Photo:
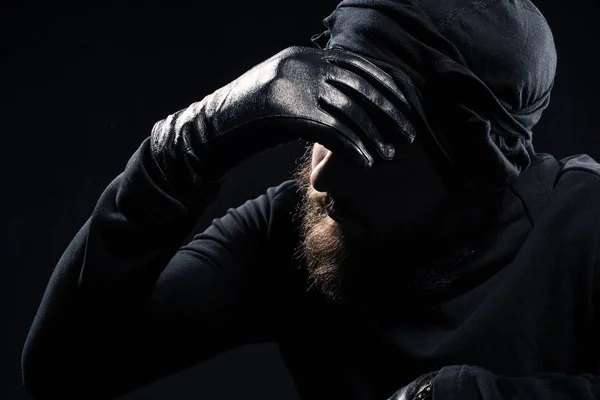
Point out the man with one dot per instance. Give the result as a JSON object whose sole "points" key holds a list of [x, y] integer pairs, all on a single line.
{"points": [[423, 248]]}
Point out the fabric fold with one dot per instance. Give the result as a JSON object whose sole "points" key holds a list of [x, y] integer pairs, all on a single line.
{"points": [[476, 97]]}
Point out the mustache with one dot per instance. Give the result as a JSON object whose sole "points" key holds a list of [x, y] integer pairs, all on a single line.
{"points": [[323, 203], [320, 200]]}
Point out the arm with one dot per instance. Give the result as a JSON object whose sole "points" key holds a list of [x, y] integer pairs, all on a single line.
{"points": [[126, 306]]}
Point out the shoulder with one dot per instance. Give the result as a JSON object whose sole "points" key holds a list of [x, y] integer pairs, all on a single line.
{"points": [[565, 191], [577, 184], [575, 199], [581, 173], [578, 177], [581, 165]]}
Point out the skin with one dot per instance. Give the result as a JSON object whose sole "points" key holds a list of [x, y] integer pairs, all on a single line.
{"points": [[380, 207], [396, 216]]}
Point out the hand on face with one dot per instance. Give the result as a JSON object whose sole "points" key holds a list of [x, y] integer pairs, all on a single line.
{"points": [[404, 194], [352, 217]]}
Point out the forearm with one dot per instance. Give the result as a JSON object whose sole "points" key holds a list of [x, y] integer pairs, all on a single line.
{"points": [[105, 275], [135, 228]]}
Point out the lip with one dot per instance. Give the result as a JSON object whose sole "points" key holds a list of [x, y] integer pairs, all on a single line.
{"points": [[337, 212]]}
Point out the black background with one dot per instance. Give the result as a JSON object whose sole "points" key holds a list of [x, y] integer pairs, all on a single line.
{"points": [[81, 88]]}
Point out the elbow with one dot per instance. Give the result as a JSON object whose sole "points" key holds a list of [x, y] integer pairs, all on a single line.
{"points": [[43, 380], [39, 380], [47, 375], [65, 369], [34, 386], [33, 376]]}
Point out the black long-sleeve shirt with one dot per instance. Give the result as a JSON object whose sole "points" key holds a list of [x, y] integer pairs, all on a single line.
{"points": [[127, 304]]}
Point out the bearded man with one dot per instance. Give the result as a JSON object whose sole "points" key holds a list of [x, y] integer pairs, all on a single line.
{"points": [[422, 248]]}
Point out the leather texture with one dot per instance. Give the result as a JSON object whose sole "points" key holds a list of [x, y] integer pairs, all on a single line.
{"points": [[333, 97], [409, 391]]}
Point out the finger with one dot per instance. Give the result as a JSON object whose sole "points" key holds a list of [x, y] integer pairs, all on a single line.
{"points": [[337, 137], [388, 117], [374, 98], [342, 107], [371, 72]]}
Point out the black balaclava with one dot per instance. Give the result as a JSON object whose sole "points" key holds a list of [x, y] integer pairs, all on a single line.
{"points": [[477, 73]]}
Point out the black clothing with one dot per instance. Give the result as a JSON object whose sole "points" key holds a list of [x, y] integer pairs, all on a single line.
{"points": [[478, 73], [126, 305]]}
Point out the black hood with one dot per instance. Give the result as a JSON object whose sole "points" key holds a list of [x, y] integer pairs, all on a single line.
{"points": [[477, 73]]}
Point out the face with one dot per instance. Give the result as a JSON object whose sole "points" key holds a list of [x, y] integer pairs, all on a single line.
{"points": [[355, 222], [375, 204]]}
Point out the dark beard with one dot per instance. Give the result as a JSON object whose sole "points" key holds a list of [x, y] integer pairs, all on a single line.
{"points": [[349, 271]]}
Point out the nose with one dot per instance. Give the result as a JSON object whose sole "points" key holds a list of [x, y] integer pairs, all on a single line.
{"points": [[330, 172]]}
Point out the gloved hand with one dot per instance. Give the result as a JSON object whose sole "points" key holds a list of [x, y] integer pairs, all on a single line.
{"points": [[420, 386], [330, 96]]}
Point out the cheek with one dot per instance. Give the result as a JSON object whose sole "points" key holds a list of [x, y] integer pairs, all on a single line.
{"points": [[409, 200]]}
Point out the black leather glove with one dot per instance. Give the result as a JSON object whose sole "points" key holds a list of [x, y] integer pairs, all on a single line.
{"points": [[332, 97], [419, 389]]}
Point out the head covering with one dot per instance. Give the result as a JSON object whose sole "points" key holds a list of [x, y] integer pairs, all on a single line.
{"points": [[477, 73]]}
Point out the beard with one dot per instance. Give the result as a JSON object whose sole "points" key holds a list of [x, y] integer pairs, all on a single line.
{"points": [[351, 268]]}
